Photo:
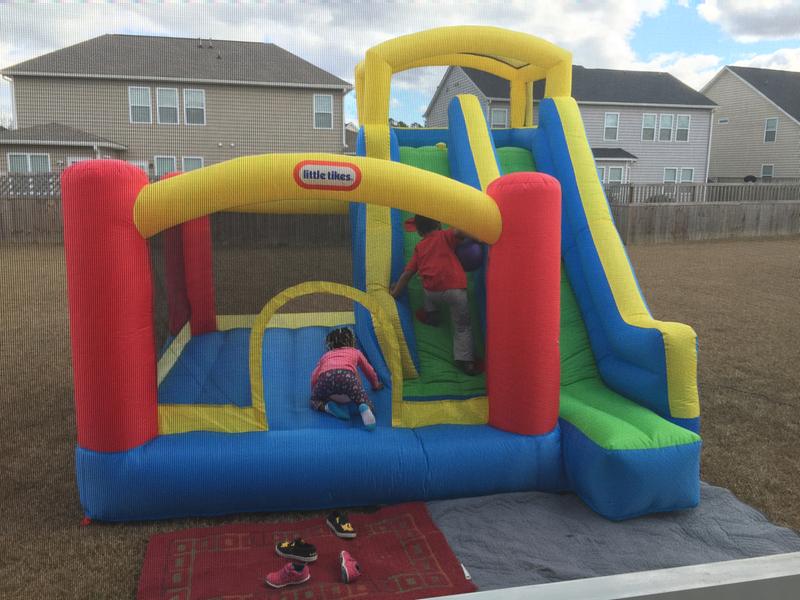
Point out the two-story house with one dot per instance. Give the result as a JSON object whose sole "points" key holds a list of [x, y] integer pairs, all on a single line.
{"points": [[757, 124], [168, 104], [643, 127]]}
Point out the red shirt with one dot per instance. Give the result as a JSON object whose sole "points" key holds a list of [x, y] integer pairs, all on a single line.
{"points": [[436, 263]]}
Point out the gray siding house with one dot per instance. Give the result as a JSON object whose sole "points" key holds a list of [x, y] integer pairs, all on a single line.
{"points": [[643, 127], [757, 124], [168, 104]]}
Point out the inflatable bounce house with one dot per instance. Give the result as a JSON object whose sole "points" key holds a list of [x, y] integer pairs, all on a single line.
{"points": [[583, 390]]}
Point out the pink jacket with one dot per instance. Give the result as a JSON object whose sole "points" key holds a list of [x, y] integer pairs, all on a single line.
{"points": [[344, 358]]}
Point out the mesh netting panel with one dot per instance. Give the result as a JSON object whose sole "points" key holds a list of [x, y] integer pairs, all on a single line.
{"points": [[257, 256]]}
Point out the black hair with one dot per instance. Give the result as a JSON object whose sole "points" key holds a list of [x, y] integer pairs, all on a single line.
{"points": [[425, 224], [341, 337]]}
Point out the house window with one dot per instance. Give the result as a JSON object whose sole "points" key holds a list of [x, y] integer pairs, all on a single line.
{"points": [[682, 128], [615, 174], [164, 165], [167, 101], [767, 172], [687, 175], [601, 173], [611, 126], [139, 104], [499, 118], [665, 128], [648, 127], [194, 107], [323, 111], [71, 160], [28, 163], [770, 129], [670, 175], [190, 163]]}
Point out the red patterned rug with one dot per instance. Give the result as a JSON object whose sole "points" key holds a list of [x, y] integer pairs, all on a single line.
{"points": [[403, 555]]}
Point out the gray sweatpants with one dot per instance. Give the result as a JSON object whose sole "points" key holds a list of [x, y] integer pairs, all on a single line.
{"points": [[458, 302]]}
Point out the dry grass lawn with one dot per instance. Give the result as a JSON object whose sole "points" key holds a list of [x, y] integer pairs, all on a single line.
{"points": [[740, 296]]}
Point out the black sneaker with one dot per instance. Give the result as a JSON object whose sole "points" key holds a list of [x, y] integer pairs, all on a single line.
{"points": [[341, 525], [297, 549]]}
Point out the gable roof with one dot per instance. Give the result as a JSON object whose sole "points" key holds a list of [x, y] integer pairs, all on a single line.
{"points": [[780, 87], [50, 134], [606, 85], [117, 56]]}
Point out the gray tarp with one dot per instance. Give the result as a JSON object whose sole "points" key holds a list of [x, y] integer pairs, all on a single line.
{"points": [[526, 538]]}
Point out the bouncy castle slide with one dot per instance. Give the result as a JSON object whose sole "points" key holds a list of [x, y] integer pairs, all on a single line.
{"points": [[583, 391]]}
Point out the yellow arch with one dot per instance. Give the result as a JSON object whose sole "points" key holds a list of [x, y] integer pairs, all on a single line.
{"points": [[518, 57], [266, 183], [383, 330]]}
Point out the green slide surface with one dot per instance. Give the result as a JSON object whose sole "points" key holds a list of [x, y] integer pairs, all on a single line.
{"points": [[438, 375], [608, 419]]}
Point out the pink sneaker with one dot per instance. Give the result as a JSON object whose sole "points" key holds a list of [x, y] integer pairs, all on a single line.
{"points": [[288, 575], [351, 570]]}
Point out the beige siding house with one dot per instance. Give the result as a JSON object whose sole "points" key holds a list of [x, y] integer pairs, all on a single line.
{"points": [[169, 104], [757, 124], [643, 127]]}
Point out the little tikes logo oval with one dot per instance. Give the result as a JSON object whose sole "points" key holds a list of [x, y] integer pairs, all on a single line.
{"points": [[327, 175]]}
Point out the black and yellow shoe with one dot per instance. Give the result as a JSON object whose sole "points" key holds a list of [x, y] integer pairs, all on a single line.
{"points": [[341, 525], [297, 549]]}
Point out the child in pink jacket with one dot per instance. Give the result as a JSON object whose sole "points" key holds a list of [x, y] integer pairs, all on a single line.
{"points": [[335, 381]]}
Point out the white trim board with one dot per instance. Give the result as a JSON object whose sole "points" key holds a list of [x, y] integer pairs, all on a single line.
{"points": [[763, 577]]}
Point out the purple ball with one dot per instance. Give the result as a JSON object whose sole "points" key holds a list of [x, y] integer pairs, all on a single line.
{"points": [[470, 255]]}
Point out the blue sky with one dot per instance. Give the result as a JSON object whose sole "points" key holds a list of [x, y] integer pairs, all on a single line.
{"points": [[692, 39]]}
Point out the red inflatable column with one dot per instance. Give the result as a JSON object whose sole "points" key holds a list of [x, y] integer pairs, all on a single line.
{"points": [[110, 293], [523, 282], [198, 269]]}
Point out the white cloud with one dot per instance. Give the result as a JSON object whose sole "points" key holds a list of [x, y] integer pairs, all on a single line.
{"points": [[786, 59], [695, 70], [754, 20]]}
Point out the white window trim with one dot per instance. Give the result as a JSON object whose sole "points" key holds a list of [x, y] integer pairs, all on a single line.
{"points": [[616, 137], [187, 107], [130, 105], [491, 118], [314, 111], [677, 174], [671, 128], [766, 121], [772, 175], [155, 164], [177, 107], [688, 128], [655, 127], [621, 179], [680, 175], [27, 156], [602, 174], [183, 161]]}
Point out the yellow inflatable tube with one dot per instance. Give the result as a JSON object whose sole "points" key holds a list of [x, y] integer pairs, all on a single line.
{"points": [[312, 183]]}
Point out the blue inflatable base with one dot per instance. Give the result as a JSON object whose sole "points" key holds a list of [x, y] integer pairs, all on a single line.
{"points": [[209, 474]]}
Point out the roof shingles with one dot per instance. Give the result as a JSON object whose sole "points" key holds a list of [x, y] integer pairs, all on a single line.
{"points": [[781, 87], [606, 85], [55, 132], [149, 57]]}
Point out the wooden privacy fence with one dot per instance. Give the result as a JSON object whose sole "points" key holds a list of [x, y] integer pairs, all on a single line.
{"points": [[30, 212]]}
